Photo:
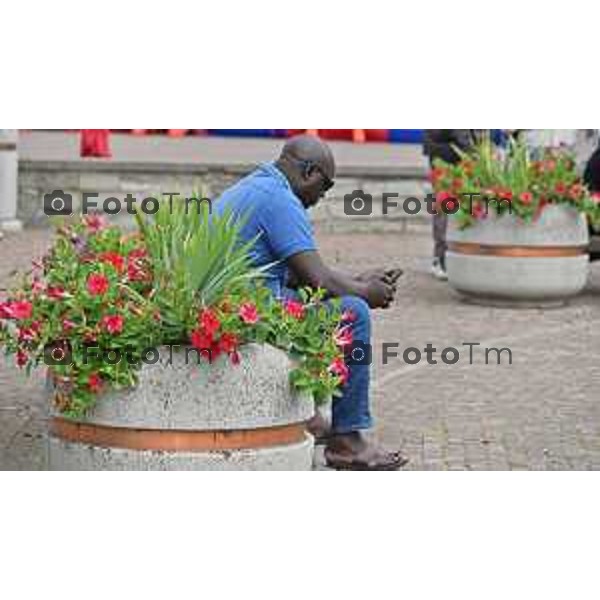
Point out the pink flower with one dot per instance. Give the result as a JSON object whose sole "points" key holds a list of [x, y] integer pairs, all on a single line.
{"points": [[248, 313], [596, 197], [294, 309], [338, 367], [37, 287], [478, 211], [27, 334], [94, 223], [20, 311], [97, 285], [68, 325], [209, 322], [56, 293], [349, 316], [443, 196], [343, 337], [235, 358], [113, 324]]}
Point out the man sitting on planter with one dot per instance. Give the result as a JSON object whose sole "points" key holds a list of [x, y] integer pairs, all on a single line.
{"points": [[275, 199]]}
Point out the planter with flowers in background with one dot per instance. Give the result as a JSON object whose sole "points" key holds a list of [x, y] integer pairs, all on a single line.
{"points": [[165, 352], [518, 228]]}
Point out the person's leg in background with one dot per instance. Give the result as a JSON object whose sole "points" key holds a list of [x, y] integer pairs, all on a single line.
{"points": [[440, 246]]}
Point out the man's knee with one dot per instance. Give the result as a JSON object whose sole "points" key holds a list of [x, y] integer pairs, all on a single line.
{"points": [[359, 307]]}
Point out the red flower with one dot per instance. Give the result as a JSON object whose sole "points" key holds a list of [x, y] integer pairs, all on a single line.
{"points": [[228, 343], [200, 340], [457, 185], [114, 259], [526, 197], [478, 211], [97, 285], [338, 367], [248, 313], [437, 174], [349, 316], [94, 223], [56, 293], [443, 196], [22, 358], [113, 324], [343, 337], [19, 311], [209, 322], [27, 334], [95, 383], [137, 254], [576, 191], [294, 309], [135, 272], [561, 189], [596, 197], [235, 358], [505, 195]]}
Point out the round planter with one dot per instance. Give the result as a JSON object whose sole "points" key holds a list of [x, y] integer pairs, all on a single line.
{"points": [[504, 261], [185, 416]]}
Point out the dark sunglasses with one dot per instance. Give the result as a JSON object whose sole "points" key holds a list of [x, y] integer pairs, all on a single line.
{"points": [[309, 166]]}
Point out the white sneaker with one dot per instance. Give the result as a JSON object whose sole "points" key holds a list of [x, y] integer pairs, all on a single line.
{"points": [[438, 271]]}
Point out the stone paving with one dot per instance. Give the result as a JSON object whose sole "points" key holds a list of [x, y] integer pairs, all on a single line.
{"points": [[540, 413]]}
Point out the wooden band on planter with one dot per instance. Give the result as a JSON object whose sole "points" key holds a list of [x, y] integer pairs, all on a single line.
{"points": [[175, 440], [517, 251], [8, 146]]}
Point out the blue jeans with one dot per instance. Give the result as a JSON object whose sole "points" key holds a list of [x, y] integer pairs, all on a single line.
{"points": [[351, 411]]}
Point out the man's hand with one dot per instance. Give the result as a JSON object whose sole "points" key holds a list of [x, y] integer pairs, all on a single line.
{"points": [[380, 294], [372, 274]]}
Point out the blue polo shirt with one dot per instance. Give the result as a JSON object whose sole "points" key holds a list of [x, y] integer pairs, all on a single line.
{"points": [[274, 213]]}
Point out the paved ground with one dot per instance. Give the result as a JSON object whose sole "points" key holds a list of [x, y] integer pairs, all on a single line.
{"points": [[540, 413]]}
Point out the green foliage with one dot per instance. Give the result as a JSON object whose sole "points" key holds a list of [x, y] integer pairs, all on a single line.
{"points": [[488, 180], [182, 278]]}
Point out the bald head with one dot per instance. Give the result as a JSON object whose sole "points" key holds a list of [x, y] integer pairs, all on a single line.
{"points": [[312, 149]]}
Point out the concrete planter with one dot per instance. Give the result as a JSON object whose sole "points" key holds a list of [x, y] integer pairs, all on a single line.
{"points": [[506, 262], [184, 416]]}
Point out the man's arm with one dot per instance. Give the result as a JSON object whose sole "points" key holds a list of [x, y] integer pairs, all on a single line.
{"points": [[309, 269]]}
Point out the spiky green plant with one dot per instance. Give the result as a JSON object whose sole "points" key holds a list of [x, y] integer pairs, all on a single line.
{"points": [[196, 256]]}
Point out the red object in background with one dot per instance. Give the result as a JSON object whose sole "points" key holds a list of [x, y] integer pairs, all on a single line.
{"points": [[95, 143], [378, 135]]}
